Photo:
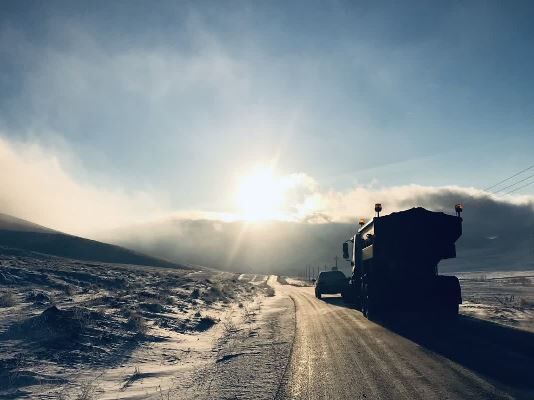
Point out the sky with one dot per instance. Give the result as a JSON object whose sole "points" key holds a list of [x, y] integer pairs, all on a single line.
{"points": [[132, 108]]}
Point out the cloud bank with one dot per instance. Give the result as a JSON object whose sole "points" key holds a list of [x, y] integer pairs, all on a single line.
{"points": [[498, 233], [36, 185]]}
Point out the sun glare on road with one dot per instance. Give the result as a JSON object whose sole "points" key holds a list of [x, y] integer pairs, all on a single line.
{"points": [[260, 195]]}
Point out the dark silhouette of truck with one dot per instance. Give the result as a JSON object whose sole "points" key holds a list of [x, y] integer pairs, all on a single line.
{"points": [[395, 263]]}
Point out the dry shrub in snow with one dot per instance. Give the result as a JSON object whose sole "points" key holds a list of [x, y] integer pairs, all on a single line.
{"points": [[85, 390], [38, 297], [229, 327], [248, 315], [69, 290], [215, 293], [167, 299], [136, 375], [137, 324], [519, 280], [168, 394], [525, 303], [7, 299], [205, 323]]}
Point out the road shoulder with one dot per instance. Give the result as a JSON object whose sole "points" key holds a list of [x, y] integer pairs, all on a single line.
{"points": [[252, 354]]}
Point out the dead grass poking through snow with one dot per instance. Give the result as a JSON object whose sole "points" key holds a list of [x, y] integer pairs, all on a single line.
{"points": [[8, 299], [135, 376], [525, 303], [75, 318], [168, 394], [86, 390], [138, 324], [230, 328]]}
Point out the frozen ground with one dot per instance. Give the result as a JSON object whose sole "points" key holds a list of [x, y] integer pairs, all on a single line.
{"points": [[85, 330], [502, 297], [74, 330]]}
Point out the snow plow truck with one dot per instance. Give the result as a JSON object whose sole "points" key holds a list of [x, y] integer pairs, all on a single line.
{"points": [[395, 263]]}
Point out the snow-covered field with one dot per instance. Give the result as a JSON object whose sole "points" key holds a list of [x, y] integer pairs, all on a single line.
{"points": [[84, 330], [502, 297], [75, 330]]}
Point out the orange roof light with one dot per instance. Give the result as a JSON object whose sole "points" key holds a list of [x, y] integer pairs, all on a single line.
{"points": [[378, 208]]}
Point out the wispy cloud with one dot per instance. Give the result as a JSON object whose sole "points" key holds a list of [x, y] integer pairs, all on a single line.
{"points": [[36, 185], [307, 200]]}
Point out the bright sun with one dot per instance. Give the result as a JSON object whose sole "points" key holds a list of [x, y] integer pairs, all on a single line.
{"points": [[260, 195]]}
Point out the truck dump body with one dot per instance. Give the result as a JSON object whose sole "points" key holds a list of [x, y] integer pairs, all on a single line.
{"points": [[411, 241], [395, 259]]}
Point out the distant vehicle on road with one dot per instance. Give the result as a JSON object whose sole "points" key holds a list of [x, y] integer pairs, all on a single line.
{"points": [[395, 262], [330, 282]]}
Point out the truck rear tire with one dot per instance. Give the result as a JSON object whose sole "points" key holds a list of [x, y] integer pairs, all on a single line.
{"points": [[318, 294]]}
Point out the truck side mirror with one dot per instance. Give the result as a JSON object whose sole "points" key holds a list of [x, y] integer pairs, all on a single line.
{"points": [[346, 251]]}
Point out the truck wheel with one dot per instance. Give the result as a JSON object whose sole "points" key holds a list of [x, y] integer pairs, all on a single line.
{"points": [[318, 294]]}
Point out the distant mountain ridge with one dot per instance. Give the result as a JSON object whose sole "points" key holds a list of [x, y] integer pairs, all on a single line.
{"points": [[11, 223], [21, 234]]}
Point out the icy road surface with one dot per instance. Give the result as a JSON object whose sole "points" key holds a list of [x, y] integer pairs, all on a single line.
{"points": [[338, 354]]}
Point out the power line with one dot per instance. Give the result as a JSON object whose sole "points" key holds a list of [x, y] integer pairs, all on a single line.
{"points": [[520, 187], [507, 179], [513, 184]]}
